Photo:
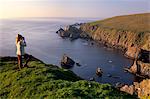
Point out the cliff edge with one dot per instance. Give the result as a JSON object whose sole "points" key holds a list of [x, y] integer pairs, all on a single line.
{"points": [[129, 32], [42, 80]]}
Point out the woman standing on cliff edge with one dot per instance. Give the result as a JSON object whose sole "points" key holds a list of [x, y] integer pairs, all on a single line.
{"points": [[20, 44]]}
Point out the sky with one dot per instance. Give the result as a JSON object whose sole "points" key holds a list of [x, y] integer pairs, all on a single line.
{"points": [[72, 8]]}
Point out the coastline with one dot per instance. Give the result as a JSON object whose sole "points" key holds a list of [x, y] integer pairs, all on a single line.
{"points": [[134, 45], [106, 37], [42, 63], [131, 51]]}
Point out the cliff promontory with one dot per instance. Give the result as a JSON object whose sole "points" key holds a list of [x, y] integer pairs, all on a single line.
{"points": [[129, 32]]}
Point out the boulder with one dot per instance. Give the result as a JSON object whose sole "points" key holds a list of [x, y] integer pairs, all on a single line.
{"points": [[78, 64], [99, 71], [67, 61]]}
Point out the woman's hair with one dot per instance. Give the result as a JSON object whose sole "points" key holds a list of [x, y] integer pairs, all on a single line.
{"points": [[18, 38]]}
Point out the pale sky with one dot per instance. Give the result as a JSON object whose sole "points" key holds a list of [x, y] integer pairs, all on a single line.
{"points": [[71, 8]]}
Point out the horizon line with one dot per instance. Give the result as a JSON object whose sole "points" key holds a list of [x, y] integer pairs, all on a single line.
{"points": [[38, 17], [46, 17]]}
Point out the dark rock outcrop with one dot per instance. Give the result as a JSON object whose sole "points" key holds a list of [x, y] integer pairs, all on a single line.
{"points": [[67, 62], [78, 64], [99, 71], [61, 32], [144, 56], [84, 35], [73, 32], [69, 31]]}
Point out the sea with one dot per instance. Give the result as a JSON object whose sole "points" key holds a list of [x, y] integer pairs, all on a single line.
{"points": [[44, 44]]}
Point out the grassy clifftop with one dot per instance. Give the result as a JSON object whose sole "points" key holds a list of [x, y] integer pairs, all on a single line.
{"points": [[123, 31], [135, 22], [47, 81]]}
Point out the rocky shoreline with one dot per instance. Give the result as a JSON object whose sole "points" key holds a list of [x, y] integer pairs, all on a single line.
{"points": [[141, 65], [141, 89], [85, 31], [72, 32]]}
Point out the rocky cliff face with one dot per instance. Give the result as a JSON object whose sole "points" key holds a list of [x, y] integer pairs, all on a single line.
{"points": [[141, 68], [142, 89], [129, 32], [136, 45], [122, 39]]}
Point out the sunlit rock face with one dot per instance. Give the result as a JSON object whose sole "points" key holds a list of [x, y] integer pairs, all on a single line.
{"points": [[141, 68], [141, 89]]}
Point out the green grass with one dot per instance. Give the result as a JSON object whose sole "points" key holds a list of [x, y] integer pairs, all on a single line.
{"points": [[48, 81], [135, 22]]}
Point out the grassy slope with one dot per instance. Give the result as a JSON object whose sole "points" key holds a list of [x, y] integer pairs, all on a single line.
{"points": [[135, 22], [134, 29], [42, 80]]}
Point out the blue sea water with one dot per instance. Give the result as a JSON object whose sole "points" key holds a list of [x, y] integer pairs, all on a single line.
{"points": [[45, 44]]}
